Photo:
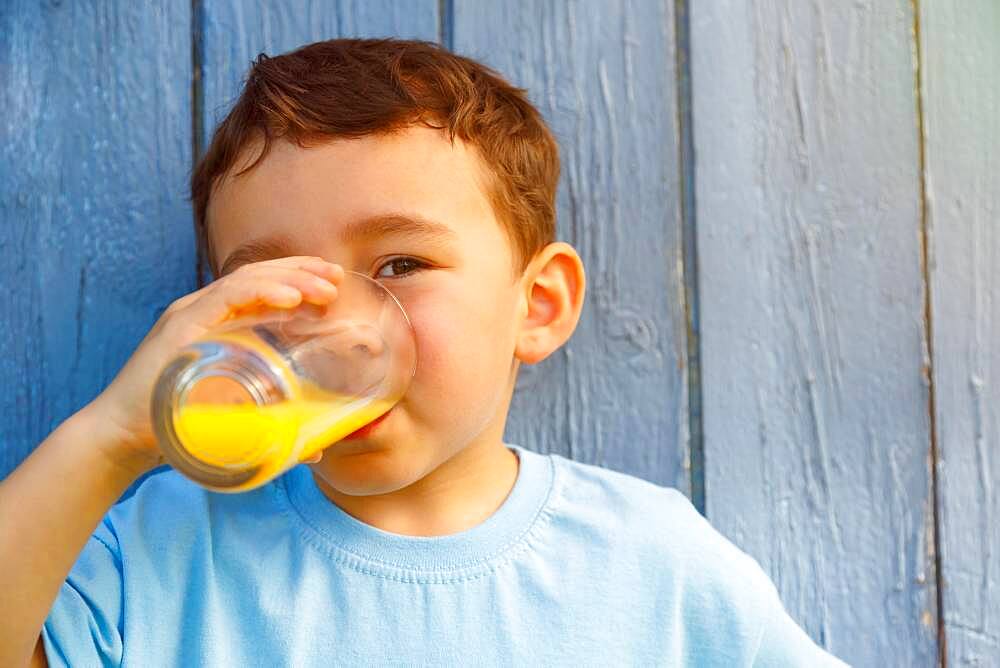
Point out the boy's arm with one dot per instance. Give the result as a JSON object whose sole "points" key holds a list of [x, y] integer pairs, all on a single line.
{"points": [[53, 502], [50, 506]]}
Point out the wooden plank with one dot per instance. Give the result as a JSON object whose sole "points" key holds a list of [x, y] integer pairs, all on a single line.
{"points": [[816, 420], [235, 31], [960, 55], [95, 231], [616, 395]]}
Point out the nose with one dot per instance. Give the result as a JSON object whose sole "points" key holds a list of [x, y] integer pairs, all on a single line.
{"points": [[359, 340]]}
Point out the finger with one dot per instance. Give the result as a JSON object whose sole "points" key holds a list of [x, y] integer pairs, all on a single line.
{"points": [[317, 265], [188, 299], [217, 305], [315, 289], [257, 290]]}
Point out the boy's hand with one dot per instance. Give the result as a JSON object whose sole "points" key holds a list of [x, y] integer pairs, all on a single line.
{"points": [[124, 406]]}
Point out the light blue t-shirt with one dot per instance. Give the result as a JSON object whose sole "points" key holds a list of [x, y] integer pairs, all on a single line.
{"points": [[580, 566]]}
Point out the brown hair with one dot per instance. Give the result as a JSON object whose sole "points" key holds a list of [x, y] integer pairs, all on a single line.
{"points": [[345, 88]]}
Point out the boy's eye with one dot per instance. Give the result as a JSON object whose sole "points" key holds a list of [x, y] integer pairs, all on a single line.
{"points": [[400, 266]]}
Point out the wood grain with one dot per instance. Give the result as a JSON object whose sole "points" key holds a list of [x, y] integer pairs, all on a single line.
{"points": [[616, 395], [960, 55], [95, 232], [816, 419], [820, 357]]}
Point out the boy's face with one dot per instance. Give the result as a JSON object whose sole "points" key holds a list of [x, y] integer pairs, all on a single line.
{"points": [[463, 304]]}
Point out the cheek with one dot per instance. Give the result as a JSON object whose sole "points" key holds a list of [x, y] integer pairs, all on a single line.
{"points": [[464, 351]]}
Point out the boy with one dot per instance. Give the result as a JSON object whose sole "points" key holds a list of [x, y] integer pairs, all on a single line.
{"points": [[423, 539]]}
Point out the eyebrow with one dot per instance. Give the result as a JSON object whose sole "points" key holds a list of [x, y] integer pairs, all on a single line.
{"points": [[360, 230], [257, 249]]}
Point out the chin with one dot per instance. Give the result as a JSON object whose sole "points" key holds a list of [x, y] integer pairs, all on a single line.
{"points": [[368, 473]]}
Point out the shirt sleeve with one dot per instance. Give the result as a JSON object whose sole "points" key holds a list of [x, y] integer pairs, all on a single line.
{"points": [[784, 643], [84, 625]]}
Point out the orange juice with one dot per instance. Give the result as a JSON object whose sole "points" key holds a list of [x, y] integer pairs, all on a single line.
{"points": [[247, 435]]}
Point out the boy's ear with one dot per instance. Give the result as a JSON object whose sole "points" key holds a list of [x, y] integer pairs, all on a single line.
{"points": [[552, 293]]}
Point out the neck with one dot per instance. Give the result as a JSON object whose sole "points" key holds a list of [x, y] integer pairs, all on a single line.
{"points": [[459, 494]]}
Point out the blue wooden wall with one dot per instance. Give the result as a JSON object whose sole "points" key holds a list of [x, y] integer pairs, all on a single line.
{"points": [[788, 212]]}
